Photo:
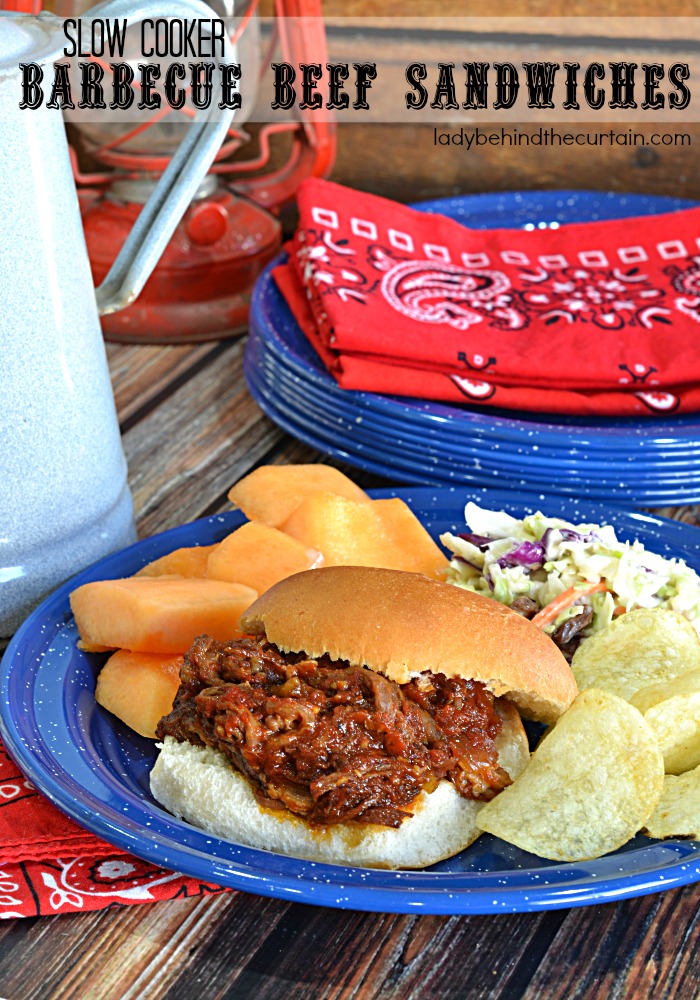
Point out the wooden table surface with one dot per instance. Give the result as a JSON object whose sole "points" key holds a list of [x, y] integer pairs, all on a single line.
{"points": [[190, 430]]}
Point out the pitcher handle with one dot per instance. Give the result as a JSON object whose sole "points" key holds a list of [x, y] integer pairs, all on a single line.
{"points": [[177, 187]]}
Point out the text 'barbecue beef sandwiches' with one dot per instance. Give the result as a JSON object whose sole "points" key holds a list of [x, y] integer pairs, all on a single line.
{"points": [[364, 719]]}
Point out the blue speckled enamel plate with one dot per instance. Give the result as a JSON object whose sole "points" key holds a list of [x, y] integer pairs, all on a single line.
{"points": [[426, 468], [649, 462], [274, 374], [96, 770], [320, 412]]}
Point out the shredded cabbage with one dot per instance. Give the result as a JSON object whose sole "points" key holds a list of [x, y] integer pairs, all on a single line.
{"points": [[540, 557]]}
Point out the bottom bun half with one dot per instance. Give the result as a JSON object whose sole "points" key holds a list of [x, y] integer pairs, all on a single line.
{"points": [[198, 784]]}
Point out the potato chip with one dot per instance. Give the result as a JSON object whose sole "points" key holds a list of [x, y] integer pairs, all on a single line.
{"points": [[591, 784], [672, 709], [654, 694], [678, 811], [639, 648]]}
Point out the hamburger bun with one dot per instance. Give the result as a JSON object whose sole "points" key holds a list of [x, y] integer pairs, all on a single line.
{"points": [[401, 624], [198, 784]]}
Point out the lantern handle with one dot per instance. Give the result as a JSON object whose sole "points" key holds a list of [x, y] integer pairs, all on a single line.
{"points": [[179, 183]]}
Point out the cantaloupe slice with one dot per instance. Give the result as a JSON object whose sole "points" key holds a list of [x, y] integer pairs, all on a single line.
{"points": [[382, 533], [139, 688], [93, 647], [189, 562], [347, 532], [259, 556], [412, 547], [158, 614], [272, 492]]}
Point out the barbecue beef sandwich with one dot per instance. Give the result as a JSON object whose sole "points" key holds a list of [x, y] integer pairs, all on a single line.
{"points": [[363, 720]]}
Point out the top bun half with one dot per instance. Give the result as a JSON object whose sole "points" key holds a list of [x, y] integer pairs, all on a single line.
{"points": [[402, 624]]}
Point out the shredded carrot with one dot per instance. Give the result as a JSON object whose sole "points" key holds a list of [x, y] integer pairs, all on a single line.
{"points": [[552, 610], [619, 610]]}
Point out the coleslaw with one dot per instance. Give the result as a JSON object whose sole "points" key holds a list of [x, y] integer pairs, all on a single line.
{"points": [[541, 558]]}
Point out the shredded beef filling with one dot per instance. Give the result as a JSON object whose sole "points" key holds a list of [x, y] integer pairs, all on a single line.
{"points": [[525, 606], [331, 742], [568, 635]]}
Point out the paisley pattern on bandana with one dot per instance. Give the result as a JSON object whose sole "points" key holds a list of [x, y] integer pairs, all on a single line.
{"points": [[609, 298], [594, 318]]}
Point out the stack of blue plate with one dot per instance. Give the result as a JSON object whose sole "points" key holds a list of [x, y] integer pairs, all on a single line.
{"points": [[646, 462]]}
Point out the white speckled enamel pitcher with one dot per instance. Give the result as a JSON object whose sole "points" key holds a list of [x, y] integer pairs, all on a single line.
{"points": [[64, 499]]}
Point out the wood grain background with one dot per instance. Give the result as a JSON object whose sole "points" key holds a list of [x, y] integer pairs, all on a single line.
{"points": [[401, 161]]}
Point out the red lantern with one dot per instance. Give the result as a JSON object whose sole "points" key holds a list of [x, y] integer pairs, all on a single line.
{"points": [[200, 289]]}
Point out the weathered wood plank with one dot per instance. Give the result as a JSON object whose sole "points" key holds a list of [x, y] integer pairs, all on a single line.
{"points": [[646, 949], [404, 163], [185, 455], [339, 955], [60, 955], [632, 26], [240, 946], [506, 8], [689, 513], [126, 953], [393, 46], [141, 374]]}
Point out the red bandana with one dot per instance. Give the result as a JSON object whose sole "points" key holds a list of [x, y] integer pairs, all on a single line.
{"points": [[49, 865], [590, 318]]}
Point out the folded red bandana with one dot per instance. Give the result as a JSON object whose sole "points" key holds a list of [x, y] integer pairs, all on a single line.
{"points": [[592, 318], [50, 865]]}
